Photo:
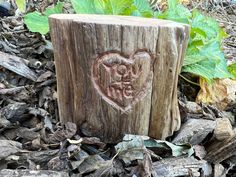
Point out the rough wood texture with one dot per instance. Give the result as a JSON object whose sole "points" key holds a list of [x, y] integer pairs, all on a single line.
{"points": [[182, 166], [17, 65], [194, 131], [224, 129], [32, 173], [118, 74], [218, 151]]}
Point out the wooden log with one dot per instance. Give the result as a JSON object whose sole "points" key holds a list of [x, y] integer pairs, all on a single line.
{"points": [[118, 74]]}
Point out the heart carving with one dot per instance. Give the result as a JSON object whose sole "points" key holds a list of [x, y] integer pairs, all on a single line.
{"points": [[122, 81]]}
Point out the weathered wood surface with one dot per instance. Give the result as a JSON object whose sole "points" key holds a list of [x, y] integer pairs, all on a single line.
{"points": [[182, 166], [17, 65], [118, 74], [224, 129], [32, 173], [194, 131], [219, 151]]}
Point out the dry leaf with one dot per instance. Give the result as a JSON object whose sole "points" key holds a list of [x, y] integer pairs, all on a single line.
{"points": [[219, 93]]}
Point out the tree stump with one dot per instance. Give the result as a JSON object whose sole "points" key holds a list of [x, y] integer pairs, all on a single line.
{"points": [[118, 74]]}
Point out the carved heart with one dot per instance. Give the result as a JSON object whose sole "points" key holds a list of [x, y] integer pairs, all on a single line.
{"points": [[122, 81]]}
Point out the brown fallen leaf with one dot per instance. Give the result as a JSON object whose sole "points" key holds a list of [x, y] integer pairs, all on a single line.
{"points": [[44, 76], [92, 163], [57, 164], [145, 166], [93, 141], [219, 93], [62, 133]]}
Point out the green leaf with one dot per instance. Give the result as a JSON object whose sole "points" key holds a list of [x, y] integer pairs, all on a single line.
{"points": [[84, 6], [232, 69], [176, 150], [172, 4], [21, 4], [118, 7], [142, 8], [100, 6], [207, 61], [113, 7], [209, 25], [42, 22], [133, 147], [57, 9], [204, 69], [37, 22], [176, 12], [208, 51]]}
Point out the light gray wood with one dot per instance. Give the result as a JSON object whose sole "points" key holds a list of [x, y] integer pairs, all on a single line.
{"points": [[180, 166], [224, 129], [118, 74], [219, 151], [194, 131], [32, 173], [17, 65]]}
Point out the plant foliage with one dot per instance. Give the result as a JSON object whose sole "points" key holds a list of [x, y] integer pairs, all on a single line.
{"points": [[37, 22], [232, 69], [203, 57], [21, 4]]}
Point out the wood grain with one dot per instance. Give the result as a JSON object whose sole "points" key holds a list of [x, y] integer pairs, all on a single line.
{"points": [[118, 74], [17, 65]]}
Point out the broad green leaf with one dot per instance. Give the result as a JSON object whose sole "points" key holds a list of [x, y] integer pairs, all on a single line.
{"points": [[194, 58], [21, 4], [208, 62], [197, 43], [118, 7], [172, 4], [221, 34], [37, 22], [204, 69], [179, 14], [195, 30], [213, 52], [113, 7], [183, 11], [100, 6], [84, 6], [55, 10], [232, 69], [210, 26], [42, 22], [142, 8], [209, 51], [221, 70]]}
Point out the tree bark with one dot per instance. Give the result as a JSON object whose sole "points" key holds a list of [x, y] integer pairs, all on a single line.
{"points": [[118, 74]]}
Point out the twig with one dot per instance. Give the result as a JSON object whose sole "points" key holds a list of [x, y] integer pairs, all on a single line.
{"points": [[191, 82]]}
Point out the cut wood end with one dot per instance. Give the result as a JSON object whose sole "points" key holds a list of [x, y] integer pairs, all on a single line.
{"points": [[118, 20]]}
